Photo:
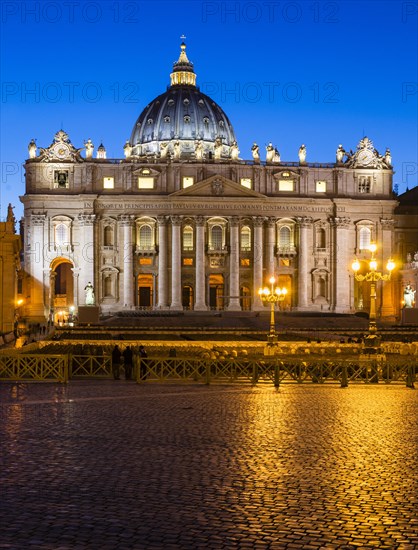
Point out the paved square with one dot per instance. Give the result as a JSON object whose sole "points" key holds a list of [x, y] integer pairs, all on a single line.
{"points": [[113, 465]]}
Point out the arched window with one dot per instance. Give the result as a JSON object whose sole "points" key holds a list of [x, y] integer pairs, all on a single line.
{"points": [[108, 235], [245, 238], [216, 235], [284, 237], [320, 238], [145, 237], [61, 234], [188, 238], [365, 236]]}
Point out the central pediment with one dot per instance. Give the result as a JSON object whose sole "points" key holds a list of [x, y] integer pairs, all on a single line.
{"points": [[218, 186]]}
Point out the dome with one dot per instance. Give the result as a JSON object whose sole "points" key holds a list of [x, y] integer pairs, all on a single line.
{"points": [[183, 122]]}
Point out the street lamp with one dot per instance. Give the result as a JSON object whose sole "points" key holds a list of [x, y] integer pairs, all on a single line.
{"points": [[372, 277], [272, 296]]}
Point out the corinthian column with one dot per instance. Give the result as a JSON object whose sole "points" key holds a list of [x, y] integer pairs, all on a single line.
{"points": [[341, 262], [176, 302], [303, 266], [257, 262], [127, 222], [162, 263], [271, 241], [200, 301], [234, 304]]}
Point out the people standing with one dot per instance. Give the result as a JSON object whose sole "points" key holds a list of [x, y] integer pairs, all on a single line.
{"points": [[116, 355], [128, 362]]}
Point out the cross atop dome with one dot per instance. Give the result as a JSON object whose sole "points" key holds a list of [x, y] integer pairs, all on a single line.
{"points": [[183, 73]]}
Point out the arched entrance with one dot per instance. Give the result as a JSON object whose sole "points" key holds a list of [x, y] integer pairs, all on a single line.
{"points": [[62, 290], [145, 291], [216, 291]]}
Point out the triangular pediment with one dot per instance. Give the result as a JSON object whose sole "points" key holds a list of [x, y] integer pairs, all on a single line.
{"points": [[217, 186]]}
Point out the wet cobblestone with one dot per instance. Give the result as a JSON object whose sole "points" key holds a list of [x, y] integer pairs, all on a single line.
{"points": [[113, 465]]}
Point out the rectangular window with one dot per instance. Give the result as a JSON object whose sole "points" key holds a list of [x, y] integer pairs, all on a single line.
{"points": [[364, 184], [61, 179], [321, 186], [247, 182], [284, 262], [108, 183], [145, 183], [187, 261], [188, 181], [245, 262], [286, 185]]}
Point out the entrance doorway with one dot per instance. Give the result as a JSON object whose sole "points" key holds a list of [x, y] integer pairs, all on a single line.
{"points": [[62, 290], [188, 297], [145, 291], [285, 281], [216, 292], [245, 298]]}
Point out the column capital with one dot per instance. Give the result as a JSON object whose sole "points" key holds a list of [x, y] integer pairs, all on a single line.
{"points": [[304, 221], [234, 221], [126, 219], [38, 219], [258, 221], [200, 220], [176, 220], [387, 223], [341, 223], [162, 220], [86, 219], [271, 222]]}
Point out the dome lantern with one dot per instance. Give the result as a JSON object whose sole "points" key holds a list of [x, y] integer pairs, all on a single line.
{"points": [[183, 73]]}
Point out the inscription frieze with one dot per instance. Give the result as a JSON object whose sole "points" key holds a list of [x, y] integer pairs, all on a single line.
{"points": [[202, 206]]}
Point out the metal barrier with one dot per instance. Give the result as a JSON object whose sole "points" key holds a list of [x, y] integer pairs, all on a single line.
{"points": [[272, 370], [26, 367], [275, 371], [90, 366]]}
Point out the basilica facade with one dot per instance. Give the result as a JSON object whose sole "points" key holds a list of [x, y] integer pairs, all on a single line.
{"points": [[184, 222]]}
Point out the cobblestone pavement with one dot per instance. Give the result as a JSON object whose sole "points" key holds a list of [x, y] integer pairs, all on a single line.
{"points": [[113, 465]]}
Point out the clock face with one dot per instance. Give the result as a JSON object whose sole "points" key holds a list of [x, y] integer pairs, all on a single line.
{"points": [[365, 157], [61, 151]]}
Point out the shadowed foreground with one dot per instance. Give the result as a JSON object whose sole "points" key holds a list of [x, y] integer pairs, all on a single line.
{"points": [[106, 465]]}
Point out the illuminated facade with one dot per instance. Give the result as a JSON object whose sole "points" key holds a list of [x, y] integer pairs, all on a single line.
{"points": [[182, 222]]}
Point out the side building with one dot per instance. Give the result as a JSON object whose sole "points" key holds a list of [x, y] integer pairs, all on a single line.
{"points": [[182, 222]]}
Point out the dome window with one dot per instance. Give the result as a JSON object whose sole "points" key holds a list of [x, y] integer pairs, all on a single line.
{"points": [[170, 102], [186, 101], [221, 124], [187, 119], [201, 102], [205, 120], [166, 119], [150, 121]]}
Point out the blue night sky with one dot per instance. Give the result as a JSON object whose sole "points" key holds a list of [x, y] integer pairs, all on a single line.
{"points": [[319, 73]]}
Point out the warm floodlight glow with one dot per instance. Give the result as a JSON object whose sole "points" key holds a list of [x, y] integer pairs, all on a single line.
{"points": [[390, 266], [373, 276], [19, 302], [272, 296]]}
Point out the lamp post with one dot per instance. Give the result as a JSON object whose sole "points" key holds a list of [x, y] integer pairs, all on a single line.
{"points": [[373, 276], [272, 296]]}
